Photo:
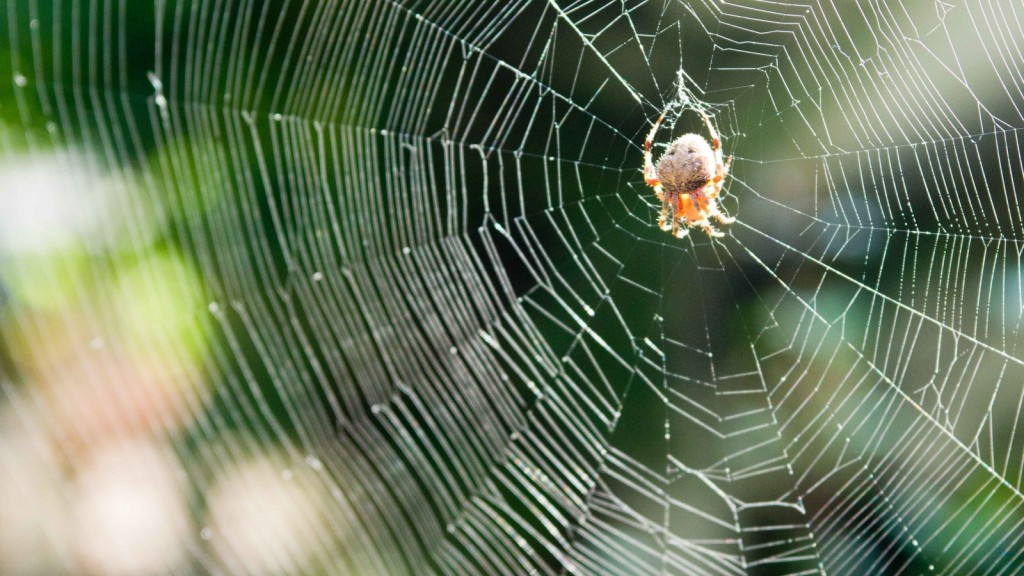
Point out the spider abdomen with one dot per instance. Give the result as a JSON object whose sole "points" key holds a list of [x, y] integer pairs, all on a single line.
{"points": [[687, 166]]}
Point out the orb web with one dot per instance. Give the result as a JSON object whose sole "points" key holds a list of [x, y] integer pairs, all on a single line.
{"points": [[380, 286]]}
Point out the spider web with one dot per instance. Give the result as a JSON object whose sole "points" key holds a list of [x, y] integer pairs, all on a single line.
{"points": [[427, 277]]}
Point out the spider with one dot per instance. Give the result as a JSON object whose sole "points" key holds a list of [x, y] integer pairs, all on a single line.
{"points": [[688, 179]]}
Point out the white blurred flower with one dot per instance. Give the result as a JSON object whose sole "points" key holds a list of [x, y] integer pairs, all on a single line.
{"points": [[263, 519], [131, 516], [48, 203], [32, 503]]}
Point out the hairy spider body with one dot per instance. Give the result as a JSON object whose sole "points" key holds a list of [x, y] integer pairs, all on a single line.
{"points": [[688, 164], [688, 179]]}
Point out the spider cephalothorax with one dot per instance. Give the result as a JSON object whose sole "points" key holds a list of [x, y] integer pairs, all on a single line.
{"points": [[688, 179]]}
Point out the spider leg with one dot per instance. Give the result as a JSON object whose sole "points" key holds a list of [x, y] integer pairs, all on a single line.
{"points": [[665, 208], [650, 174], [716, 142], [722, 217], [675, 218], [720, 172], [711, 230], [702, 198], [711, 208], [721, 168]]}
